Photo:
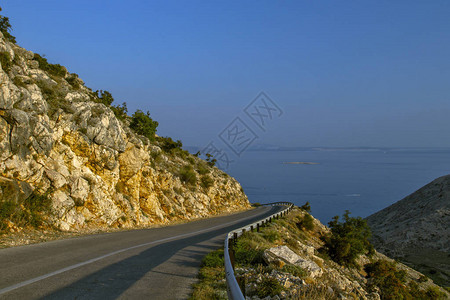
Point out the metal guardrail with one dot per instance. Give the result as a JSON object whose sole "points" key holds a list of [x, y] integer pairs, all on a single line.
{"points": [[233, 290]]}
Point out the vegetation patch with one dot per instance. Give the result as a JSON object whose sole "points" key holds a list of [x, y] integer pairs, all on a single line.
{"points": [[188, 175], [142, 124], [307, 222], [393, 284], [348, 240], [53, 69], [28, 213], [206, 181], [212, 283], [55, 95], [168, 145], [5, 60]]}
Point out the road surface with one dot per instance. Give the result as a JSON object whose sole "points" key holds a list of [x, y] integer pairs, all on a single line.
{"points": [[157, 263]]}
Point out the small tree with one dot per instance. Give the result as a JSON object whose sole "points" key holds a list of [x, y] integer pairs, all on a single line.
{"points": [[168, 145], [5, 28], [348, 239], [210, 160], [142, 124], [306, 207], [121, 111], [105, 97]]}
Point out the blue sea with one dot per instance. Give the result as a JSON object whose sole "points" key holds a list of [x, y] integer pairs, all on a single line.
{"points": [[362, 181]]}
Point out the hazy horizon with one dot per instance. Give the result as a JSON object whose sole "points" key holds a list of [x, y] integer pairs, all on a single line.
{"points": [[353, 74]]}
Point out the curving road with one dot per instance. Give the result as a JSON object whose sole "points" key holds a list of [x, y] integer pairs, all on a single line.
{"points": [[158, 263]]}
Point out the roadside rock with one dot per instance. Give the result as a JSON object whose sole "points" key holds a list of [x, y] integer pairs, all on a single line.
{"points": [[283, 253]]}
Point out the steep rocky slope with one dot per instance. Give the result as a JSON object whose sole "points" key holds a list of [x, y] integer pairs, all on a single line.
{"points": [[417, 229], [59, 141]]}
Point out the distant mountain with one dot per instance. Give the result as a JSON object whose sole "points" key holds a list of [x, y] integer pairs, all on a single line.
{"points": [[416, 229]]}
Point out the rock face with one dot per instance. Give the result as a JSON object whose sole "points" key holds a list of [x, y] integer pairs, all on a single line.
{"points": [[284, 254], [417, 228], [56, 139]]}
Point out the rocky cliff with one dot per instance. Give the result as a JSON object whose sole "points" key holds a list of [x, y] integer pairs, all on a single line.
{"points": [[417, 229], [60, 142]]}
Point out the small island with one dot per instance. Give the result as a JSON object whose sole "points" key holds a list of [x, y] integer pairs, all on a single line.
{"points": [[300, 163]]}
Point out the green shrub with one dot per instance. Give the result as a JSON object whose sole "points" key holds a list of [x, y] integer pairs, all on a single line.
{"points": [[5, 60], [348, 239], [269, 287], [52, 69], [104, 97], [388, 279], [144, 125], [202, 169], [121, 111], [168, 145], [5, 28], [210, 160], [214, 259], [307, 222], [206, 181], [73, 81], [306, 207], [188, 175]]}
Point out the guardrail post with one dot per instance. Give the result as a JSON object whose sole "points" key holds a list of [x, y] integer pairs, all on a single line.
{"points": [[257, 227], [251, 228]]}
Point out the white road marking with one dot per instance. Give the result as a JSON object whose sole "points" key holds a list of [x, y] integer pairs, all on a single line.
{"points": [[42, 277]]}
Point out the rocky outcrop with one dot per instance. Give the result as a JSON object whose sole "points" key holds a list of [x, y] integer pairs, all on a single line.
{"points": [[286, 255], [416, 229], [55, 139]]}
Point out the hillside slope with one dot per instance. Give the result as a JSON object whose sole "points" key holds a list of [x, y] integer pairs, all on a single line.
{"points": [[287, 259], [69, 159], [417, 229]]}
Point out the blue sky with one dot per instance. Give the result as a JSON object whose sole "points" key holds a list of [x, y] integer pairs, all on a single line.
{"points": [[353, 73]]}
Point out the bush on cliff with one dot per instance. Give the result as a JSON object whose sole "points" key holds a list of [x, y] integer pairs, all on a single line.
{"points": [[348, 239], [52, 69], [5, 28], [188, 175], [5, 61], [142, 124], [168, 145], [307, 222]]}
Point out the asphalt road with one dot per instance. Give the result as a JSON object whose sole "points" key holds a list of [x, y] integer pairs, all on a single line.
{"points": [[158, 263]]}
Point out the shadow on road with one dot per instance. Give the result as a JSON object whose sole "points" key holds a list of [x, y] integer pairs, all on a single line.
{"points": [[112, 281]]}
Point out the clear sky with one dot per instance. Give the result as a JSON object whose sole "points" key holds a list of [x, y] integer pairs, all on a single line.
{"points": [[345, 73]]}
